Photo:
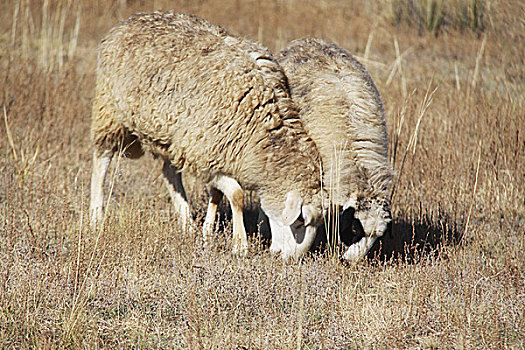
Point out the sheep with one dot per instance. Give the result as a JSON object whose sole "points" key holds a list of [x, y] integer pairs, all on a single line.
{"points": [[211, 104], [342, 111]]}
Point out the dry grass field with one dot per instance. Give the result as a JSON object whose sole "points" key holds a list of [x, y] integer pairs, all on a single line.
{"points": [[451, 275]]}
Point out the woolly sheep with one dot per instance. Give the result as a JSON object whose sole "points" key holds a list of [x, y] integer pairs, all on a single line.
{"points": [[342, 111], [214, 105]]}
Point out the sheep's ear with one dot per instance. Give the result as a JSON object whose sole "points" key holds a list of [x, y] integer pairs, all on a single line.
{"points": [[308, 214], [350, 203], [292, 207]]}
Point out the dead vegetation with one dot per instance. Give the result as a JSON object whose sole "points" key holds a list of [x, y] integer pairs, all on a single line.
{"points": [[451, 275]]}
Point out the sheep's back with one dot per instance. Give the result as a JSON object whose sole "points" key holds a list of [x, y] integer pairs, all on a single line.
{"points": [[178, 84], [343, 112]]}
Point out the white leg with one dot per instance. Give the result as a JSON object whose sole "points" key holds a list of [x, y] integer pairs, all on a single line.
{"points": [[278, 237], [100, 167], [358, 250], [283, 239], [215, 198], [173, 181], [235, 195]]}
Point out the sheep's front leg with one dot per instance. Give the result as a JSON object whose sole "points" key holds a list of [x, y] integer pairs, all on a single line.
{"points": [[235, 195], [284, 239], [215, 199], [101, 161], [278, 237], [173, 181]]}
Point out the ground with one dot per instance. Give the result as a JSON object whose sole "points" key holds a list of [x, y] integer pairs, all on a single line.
{"points": [[450, 275]]}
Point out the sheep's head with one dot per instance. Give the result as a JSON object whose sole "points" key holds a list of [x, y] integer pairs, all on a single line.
{"points": [[294, 230], [373, 214], [368, 218], [296, 212]]}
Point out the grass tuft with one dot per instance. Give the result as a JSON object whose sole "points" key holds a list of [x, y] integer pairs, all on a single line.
{"points": [[436, 16]]}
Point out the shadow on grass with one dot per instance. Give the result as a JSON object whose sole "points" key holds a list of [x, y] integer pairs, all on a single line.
{"points": [[406, 239]]}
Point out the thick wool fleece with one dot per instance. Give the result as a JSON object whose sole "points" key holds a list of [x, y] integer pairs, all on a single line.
{"points": [[343, 112], [210, 102]]}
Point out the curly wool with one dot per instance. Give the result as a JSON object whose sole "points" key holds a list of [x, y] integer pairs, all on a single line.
{"points": [[343, 112], [210, 102]]}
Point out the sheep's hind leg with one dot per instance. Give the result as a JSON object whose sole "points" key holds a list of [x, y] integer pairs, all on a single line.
{"points": [[215, 199], [235, 195], [101, 161], [173, 181]]}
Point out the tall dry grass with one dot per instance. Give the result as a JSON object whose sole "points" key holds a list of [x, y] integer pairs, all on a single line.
{"points": [[436, 16], [451, 274]]}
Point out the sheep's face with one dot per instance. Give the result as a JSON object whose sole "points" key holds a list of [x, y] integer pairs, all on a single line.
{"points": [[294, 230], [373, 215], [367, 219], [296, 213]]}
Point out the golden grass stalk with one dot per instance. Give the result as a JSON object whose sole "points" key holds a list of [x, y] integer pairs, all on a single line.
{"points": [[456, 75], [473, 195], [55, 38], [81, 294], [260, 29], [24, 164], [26, 30], [399, 127], [60, 35], [332, 222], [9, 136], [478, 61], [10, 56], [15, 21], [368, 44], [423, 108], [301, 318], [44, 33], [73, 43], [398, 66]]}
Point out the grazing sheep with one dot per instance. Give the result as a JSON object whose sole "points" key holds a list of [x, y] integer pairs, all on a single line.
{"points": [[343, 113], [209, 103]]}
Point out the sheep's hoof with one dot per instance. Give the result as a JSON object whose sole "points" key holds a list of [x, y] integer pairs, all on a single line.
{"points": [[274, 250], [97, 216], [289, 256], [240, 250], [206, 243]]}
